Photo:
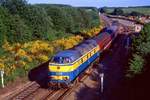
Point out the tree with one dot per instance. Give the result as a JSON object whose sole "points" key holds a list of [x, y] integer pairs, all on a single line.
{"points": [[4, 16], [69, 28], [118, 11], [19, 31], [86, 18], [140, 51], [134, 13], [2, 32], [136, 65], [38, 21], [14, 6], [58, 18], [103, 10]]}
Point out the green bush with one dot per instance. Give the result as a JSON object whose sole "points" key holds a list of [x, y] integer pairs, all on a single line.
{"points": [[136, 64], [140, 51]]}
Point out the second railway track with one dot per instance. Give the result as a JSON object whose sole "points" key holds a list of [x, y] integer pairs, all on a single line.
{"points": [[63, 93], [33, 91], [26, 91]]}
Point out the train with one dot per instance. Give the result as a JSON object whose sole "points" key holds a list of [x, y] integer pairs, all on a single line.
{"points": [[66, 66]]}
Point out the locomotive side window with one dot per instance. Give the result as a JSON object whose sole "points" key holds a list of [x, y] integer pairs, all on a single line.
{"points": [[87, 56], [81, 60], [94, 50]]}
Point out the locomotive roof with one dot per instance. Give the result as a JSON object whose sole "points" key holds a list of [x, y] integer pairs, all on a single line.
{"points": [[85, 46], [78, 50], [72, 54], [67, 53], [91, 41]]}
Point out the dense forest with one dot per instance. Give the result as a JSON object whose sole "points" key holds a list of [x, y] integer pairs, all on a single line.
{"points": [[31, 34], [21, 22]]}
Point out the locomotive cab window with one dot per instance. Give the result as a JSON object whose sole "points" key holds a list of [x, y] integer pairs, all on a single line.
{"points": [[61, 60]]}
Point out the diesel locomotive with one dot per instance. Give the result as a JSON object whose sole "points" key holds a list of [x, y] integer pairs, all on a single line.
{"points": [[66, 66]]}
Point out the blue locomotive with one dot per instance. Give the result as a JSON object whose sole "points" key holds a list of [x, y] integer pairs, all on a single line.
{"points": [[66, 66]]}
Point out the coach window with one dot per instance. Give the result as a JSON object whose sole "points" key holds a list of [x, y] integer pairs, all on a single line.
{"points": [[87, 56]]}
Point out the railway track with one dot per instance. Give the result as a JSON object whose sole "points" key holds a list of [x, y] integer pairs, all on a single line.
{"points": [[26, 91], [63, 93], [56, 95], [33, 91]]}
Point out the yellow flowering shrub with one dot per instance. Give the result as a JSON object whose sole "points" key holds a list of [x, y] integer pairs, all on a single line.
{"points": [[21, 52], [43, 58], [92, 32], [23, 55], [29, 58], [22, 63], [7, 46], [1, 66], [67, 43]]}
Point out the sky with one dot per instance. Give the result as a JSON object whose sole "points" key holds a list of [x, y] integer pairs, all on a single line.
{"points": [[95, 3]]}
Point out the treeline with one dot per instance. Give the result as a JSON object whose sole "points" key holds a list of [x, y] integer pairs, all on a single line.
{"points": [[21, 22], [140, 60], [127, 11], [128, 7]]}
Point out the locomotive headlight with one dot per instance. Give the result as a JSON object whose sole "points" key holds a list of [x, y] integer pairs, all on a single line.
{"points": [[58, 67], [58, 77]]}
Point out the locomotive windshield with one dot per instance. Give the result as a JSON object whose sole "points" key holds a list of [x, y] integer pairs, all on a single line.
{"points": [[61, 60]]}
